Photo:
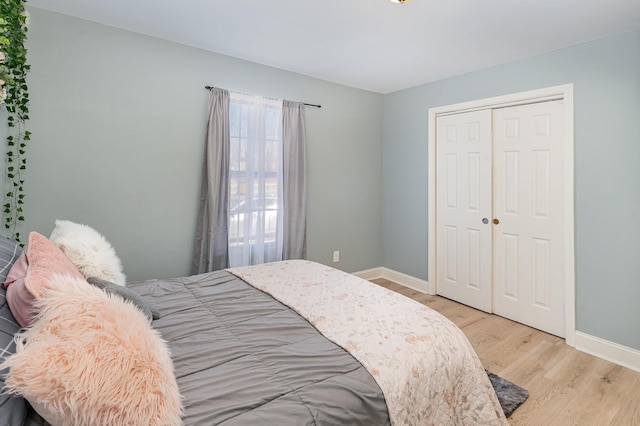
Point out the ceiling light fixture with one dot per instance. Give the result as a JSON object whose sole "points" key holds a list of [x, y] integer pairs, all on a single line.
{"points": [[398, 1]]}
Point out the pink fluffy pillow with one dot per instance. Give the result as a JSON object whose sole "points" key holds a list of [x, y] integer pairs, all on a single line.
{"points": [[31, 273], [93, 359]]}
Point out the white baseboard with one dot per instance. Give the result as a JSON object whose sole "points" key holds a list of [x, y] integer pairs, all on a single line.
{"points": [[370, 274], [610, 351], [395, 276]]}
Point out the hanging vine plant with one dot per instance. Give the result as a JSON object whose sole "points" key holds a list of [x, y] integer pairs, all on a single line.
{"points": [[15, 96]]}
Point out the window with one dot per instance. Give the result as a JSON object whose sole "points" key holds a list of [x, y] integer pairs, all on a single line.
{"points": [[255, 180], [254, 164]]}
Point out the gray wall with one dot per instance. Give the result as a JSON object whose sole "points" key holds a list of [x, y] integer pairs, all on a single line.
{"points": [[118, 123], [606, 78]]}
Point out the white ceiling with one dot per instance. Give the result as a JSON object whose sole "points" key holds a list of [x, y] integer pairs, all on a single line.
{"points": [[374, 45]]}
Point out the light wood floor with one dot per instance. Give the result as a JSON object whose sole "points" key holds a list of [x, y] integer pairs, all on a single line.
{"points": [[566, 386]]}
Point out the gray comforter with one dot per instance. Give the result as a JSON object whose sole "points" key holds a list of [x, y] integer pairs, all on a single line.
{"points": [[243, 358]]}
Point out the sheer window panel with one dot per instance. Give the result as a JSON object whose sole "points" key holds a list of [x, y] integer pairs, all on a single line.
{"points": [[255, 180]]}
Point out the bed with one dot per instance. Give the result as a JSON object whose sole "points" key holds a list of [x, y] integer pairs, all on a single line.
{"points": [[297, 343], [418, 366]]}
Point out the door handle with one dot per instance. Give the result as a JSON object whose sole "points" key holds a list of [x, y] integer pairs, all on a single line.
{"points": [[485, 220], [496, 221]]}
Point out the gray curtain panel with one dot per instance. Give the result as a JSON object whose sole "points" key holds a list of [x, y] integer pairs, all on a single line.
{"points": [[295, 181], [211, 248]]}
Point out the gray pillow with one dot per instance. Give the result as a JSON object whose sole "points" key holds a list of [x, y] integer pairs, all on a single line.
{"points": [[9, 253], [13, 408], [126, 294]]}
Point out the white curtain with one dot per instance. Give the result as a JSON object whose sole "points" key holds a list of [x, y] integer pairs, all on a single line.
{"points": [[255, 180]]}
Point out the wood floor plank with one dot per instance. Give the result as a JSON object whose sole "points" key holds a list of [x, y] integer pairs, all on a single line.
{"points": [[628, 414], [530, 364], [606, 386], [547, 401], [566, 386]]}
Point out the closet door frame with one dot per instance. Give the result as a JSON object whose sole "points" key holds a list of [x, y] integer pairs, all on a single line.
{"points": [[564, 92]]}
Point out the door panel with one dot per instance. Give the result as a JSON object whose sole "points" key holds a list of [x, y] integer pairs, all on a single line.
{"points": [[463, 241], [528, 202]]}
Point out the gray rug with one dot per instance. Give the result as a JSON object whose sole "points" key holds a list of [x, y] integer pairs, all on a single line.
{"points": [[509, 394]]}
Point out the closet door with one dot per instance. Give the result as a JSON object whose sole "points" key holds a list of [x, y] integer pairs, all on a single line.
{"points": [[528, 266], [463, 212]]}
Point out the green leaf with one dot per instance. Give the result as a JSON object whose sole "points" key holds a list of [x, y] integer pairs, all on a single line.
{"points": [[14, 69]]}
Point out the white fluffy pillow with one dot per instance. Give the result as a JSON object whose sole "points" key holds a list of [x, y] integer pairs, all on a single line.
{"points": [[93, 359], [89, 251]]}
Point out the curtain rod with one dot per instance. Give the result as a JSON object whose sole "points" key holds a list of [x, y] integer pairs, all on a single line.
{"points": [[304, 103]]}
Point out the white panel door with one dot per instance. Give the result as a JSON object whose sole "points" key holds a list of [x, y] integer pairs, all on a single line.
{"points": [[463, 240], [528, 204]]}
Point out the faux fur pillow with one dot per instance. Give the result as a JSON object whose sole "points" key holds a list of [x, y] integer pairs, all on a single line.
{"points": [[92, 254], [30, 274], [90, 358]]}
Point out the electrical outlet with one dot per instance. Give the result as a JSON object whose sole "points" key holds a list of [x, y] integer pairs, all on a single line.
{"points": [[336, 256]]}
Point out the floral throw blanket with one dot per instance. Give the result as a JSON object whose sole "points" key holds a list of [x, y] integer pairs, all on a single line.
{"points": [[424, 364]]}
